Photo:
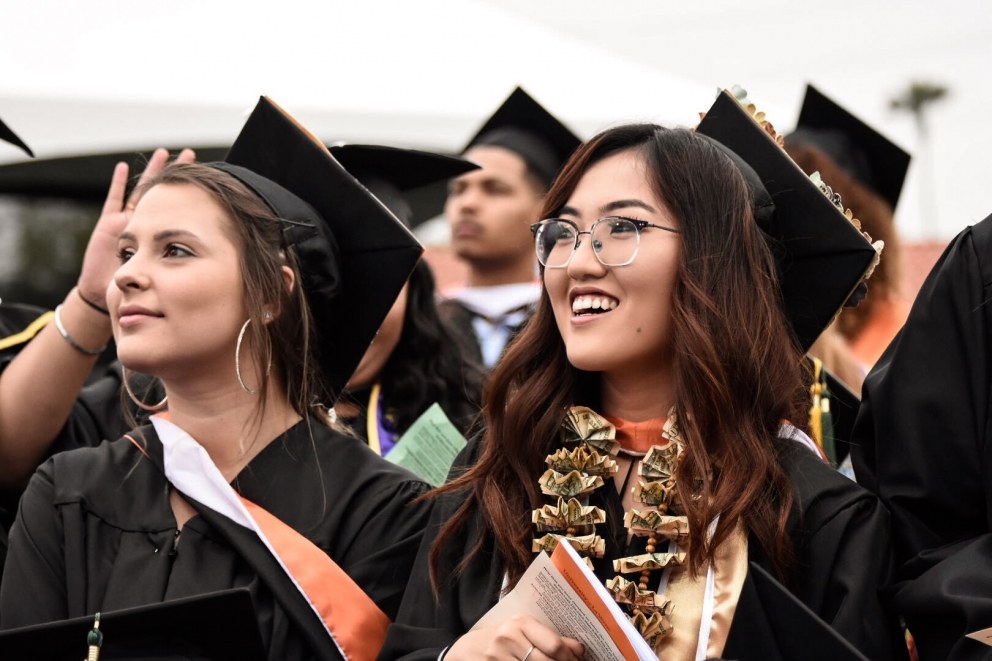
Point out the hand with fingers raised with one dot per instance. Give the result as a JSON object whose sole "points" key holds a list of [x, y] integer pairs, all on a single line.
{"points": [[100, 258]]}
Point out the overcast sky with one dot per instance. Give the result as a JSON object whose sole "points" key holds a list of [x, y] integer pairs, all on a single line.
{"points": [[110, 74]]}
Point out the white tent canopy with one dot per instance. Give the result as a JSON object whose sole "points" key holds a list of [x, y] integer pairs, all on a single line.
{"points": [[108, 74], [859, 52]]}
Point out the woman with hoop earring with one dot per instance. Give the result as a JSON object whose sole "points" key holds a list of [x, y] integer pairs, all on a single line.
{"points": [[237, 291]]}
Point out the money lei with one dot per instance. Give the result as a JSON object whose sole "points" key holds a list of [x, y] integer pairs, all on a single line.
{"points": [[586, 459]]}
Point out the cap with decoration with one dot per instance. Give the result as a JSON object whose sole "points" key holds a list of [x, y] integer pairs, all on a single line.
{"points": [[821, 254]]}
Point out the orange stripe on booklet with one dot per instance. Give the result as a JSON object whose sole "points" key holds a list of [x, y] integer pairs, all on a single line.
{"points": [[578, 579], [356, 623]]}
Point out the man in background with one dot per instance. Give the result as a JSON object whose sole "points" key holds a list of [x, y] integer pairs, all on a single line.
{"points": [[490, 211]]}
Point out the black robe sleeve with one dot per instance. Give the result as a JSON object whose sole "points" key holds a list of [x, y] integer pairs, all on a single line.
{"points": [[15, 319], [841, 537], [379, 552], [36, 562], [921, 442], [427, 623], [95, 416]]}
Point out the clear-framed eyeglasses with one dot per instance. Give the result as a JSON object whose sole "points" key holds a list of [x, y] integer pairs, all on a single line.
{"points": [[615, 240]]}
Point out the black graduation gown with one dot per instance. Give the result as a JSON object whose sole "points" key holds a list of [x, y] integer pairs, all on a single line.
{"points": [[95, 532], [14, 318], [841, 537], [96, 414], [923, 443], [95, 417]]}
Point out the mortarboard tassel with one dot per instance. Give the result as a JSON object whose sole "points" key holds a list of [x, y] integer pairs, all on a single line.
{"points": [[94, 639], [821, 423]]}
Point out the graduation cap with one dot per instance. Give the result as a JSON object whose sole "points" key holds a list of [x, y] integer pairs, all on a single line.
{"points": [[524, 127], [411, 183], [168, 630], [777, 626], [9, 136], [864, 153], [821, 256], [354, 255]]}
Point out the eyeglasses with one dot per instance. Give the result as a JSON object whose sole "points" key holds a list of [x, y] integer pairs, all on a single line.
{"points": [[615, 240]]}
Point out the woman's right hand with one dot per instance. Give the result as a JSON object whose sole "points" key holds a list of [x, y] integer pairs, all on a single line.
{"points": [[519, 638], [100, 259]]}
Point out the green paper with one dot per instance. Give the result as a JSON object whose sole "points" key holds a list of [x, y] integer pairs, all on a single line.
{"points": [[429, 446]]}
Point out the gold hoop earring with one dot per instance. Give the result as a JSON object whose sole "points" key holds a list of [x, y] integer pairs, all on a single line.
{"points": [[237, 361], [137, 402]]}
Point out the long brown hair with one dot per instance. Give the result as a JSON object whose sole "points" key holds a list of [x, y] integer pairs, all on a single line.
{"points": [[737, 368]]}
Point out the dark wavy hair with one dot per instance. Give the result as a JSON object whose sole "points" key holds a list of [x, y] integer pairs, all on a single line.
{"points": [[737, 367], [427, 366]]}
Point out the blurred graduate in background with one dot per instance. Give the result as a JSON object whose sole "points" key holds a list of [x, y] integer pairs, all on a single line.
{"points": [[521, 147]]}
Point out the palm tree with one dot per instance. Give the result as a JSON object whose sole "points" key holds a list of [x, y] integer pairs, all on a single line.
{"points": [[916, 100]]}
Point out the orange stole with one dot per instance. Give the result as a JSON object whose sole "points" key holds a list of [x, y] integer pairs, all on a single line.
{"points": [[639, 436], [357, 624]]}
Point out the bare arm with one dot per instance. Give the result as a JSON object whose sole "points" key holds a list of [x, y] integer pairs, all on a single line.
{"points": [[39, 387]]}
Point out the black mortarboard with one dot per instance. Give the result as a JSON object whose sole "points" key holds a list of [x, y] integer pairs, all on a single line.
{"points": [[9, 136], [354, 254], [776, 626], [216, 626], [821, 256], [411, 183], [524, 127], [863, 152]]}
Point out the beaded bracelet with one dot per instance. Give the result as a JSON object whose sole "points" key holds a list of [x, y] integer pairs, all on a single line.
{"points": [[101, 310], [68, 338]]}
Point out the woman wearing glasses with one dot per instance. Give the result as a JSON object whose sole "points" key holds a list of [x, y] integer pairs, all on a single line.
{"points": [[660, 375]]}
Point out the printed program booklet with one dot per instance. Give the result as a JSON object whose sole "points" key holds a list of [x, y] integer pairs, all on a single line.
{"points": [[562, 592]]}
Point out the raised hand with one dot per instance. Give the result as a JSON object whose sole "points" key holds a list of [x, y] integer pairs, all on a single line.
{"points": [[100, 258]]}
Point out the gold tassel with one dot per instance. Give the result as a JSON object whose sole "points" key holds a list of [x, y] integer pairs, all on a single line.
{"points": [[816, 410]]}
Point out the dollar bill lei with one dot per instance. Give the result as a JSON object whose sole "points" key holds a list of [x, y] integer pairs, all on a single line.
{"points": [[586, 459]]}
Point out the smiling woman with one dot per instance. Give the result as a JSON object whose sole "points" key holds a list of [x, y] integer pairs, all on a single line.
{"points": [[229, 292], [167, 323], [606, 299], [661, 310]]}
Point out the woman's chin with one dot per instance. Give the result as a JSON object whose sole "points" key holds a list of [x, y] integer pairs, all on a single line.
{"points": [[137, 363], [591, 361]]}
